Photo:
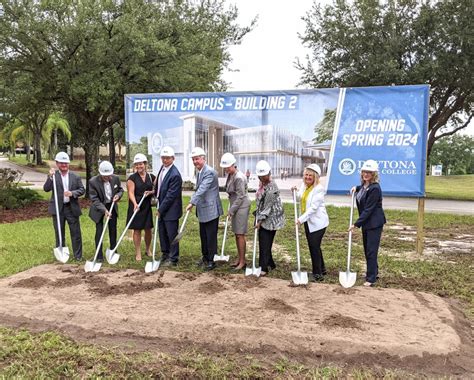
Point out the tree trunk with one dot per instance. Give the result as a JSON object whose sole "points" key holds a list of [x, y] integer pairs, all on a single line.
{"points": [[111, 145], [71, 144], [37, 144], [91, 158]]}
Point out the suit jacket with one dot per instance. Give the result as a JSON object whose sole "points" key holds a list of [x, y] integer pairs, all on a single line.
{"points": [[206, 198], [97, 196], [236, 187], [170, 204], [75, 186], [371, 213]]}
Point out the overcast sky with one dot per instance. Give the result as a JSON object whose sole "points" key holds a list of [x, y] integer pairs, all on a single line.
{"points": [[265, 59]]}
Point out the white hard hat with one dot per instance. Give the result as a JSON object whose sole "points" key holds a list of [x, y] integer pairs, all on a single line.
{"points": [[197, 152], [167, 151], [263, 168], [139, 157], [106, 168], [62, 157], [370, 166], [227, 160], [314, 168]]}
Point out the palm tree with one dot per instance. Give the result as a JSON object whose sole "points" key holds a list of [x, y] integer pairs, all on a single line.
{"points": [[54, 124]]}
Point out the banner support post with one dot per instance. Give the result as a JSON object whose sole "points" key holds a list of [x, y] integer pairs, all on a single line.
{"points": [[420, 234]]}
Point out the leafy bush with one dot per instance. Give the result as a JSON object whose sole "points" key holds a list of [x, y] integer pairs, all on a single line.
{"points": [[11, 194], [16, 197]]}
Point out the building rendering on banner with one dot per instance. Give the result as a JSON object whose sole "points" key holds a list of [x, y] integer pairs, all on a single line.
{"points": [[282, 149]]}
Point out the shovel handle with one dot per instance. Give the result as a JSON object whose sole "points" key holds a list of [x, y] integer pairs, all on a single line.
{"points": [[225, 234], [184, 221], [297, 233], [349, 242], [107, 219], [154, 237], [56, 205]]}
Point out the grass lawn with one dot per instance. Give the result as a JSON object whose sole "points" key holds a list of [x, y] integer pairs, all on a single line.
{"points": [[459, 187], [30, 243]]}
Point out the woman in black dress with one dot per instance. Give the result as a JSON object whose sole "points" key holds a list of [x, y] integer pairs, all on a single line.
{"points": [[139, 185]]}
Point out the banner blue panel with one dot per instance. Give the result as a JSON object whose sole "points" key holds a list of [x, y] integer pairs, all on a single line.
{"points": [[385, 124]]}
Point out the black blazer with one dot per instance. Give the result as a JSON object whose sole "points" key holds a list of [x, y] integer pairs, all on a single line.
{"points": [[371, 213], [75, 186], [97, 196], [170, 203]]}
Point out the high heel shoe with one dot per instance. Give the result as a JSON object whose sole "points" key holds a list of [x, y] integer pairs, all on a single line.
{"points": [[238, 269]]}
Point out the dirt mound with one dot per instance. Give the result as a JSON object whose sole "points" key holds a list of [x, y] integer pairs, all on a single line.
{"points": [[171, 312]]}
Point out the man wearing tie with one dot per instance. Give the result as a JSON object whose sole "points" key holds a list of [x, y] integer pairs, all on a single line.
{"points": [[69, 187], [169, 208], [208, 207], [104, 189]]}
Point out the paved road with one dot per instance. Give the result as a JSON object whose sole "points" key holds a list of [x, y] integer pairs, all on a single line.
{"points": [[431, 205]]}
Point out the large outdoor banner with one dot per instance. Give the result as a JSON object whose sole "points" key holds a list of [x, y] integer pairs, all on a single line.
{"points": [[283, 128], [385, 124]]}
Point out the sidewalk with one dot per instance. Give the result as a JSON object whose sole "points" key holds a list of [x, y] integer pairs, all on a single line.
{"points": [[37, 180]]}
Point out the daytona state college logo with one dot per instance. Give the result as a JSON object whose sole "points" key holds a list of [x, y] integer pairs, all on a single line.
{"points": [[347, 166]]}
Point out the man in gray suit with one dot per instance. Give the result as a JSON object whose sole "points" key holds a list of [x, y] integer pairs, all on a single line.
{"points": [[104, 189], [208, 207], [70, 188]]}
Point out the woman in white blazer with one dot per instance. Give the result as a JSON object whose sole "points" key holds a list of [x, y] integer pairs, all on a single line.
{"points": [[313, 216]]}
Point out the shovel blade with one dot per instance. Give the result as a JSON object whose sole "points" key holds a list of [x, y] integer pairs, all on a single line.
{"points": [[221, 258], [111, 256], [61, 254], [347, 279], [299, 278], [91, 266], [253, 271], [152, 266]]}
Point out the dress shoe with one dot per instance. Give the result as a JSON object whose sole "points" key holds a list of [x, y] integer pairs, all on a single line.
{"points": [[210, 266], [78, 259], [100, 260], [318, 278], [369, 284]]}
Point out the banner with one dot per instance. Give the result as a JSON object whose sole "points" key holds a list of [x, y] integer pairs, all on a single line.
{"points": [[385, 124]]}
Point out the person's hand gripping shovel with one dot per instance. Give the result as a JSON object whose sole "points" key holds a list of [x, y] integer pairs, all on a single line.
{"points": [[299, 278], [152, 266], [110, 254], [347, 279], [94, 266], [61, 253]]}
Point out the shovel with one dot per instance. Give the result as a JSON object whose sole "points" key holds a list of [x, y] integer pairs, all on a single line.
{"points": [[110, 254], [222, 257], [93, 266], [61, 253], [254, 271], [181, 230], [347, 279], [299, 278], [152, 266]]}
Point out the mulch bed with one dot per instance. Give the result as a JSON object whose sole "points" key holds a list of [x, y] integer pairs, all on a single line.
{"points": [[36, 209]]}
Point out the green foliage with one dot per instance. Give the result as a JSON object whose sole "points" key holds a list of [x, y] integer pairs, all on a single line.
{"points": [[455, 153], [459, 187], [372, 43], [325, 127], [13, 196]]}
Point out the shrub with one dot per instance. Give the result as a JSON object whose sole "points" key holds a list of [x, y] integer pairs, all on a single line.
{"points": [[11, 194], [16, 197]]}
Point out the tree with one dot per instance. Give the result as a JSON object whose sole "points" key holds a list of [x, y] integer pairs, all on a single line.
{"points": [[55, 123], [371, 43], [325, 127], [101, 50], [455, 153]]}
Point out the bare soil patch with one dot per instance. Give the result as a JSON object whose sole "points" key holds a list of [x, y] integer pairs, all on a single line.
{"points": [[36, 209], [233, 315]]}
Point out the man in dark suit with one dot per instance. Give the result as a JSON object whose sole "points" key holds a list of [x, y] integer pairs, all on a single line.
{"points": [[104, 189], [69, 187], [208, 207], [168, 189]]}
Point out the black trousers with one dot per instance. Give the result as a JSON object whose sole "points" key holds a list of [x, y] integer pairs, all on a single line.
{"points": [[112, 226], [265, 242], [168, 229], [74, 229], [208, 234], [314, 243], [371, 239]]}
